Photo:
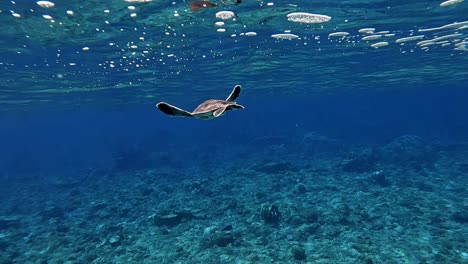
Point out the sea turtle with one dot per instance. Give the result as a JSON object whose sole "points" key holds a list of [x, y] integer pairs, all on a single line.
{"points": [[207, 110]]}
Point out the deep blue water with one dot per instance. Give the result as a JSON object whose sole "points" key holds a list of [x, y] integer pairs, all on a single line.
{"points": [[83, 138], [80, 134]]}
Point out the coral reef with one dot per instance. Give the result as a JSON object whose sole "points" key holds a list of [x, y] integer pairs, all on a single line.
{"points": [[9, 222], [275, 167], [408, 150], [359, 161], [294, 210], [213, 236], [171, 219], [298, 252], [379, 178], [315, 144], [270, 213]]}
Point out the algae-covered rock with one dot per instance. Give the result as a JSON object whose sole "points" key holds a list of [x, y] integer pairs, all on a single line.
{"points": [[301, 188], [379, 178], [114, 240], [461, 216], [9, 222], [168, 220], [222, 239], [171, 219], [408, 150], [298, 252], [313, 143], [4, 242], [359, 161], [53, 212], [310, 215], [214, 236], [275, 167]]}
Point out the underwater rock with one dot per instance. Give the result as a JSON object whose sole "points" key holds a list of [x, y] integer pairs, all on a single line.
{"points": [[168, 220], [450, 146], [270, 213], [408, 150], [463, 167], [261, 196], [310, 215], [275, 167], [53, 212], [114, 240], [74, 180], [207, 232], [361, 161], [378, 177], [301, 188], [461, 216], [171, 219], [4, 243], [313, 143], [9, 222], [66, 183], [97, 207], [212, 236], [222, 239], [227, 228], [298, 252]]}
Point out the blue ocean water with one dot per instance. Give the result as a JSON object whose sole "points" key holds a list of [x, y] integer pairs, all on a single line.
{"points": [[352, 147]]}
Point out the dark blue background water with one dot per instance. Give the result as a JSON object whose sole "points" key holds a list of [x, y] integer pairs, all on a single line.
{"points": [[49, 141]]}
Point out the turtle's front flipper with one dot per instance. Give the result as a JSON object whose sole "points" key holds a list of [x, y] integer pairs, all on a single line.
{"points": [[219, 112], [234, 94], [172, 110]]}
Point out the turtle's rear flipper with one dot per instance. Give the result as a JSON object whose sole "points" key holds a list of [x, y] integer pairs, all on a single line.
{"points": [[172, 110]]}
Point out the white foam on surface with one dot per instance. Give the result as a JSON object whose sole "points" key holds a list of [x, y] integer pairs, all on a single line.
{"points": [[225, 15], [288, 36], [308, 18], [450, 2], [45, 4]]}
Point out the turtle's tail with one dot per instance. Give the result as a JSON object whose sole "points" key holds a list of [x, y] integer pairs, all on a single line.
{"points": [[172, 110]]}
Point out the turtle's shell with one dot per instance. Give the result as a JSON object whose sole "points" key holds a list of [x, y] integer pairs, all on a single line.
{"points": [[210, 106], [205, 110]]}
